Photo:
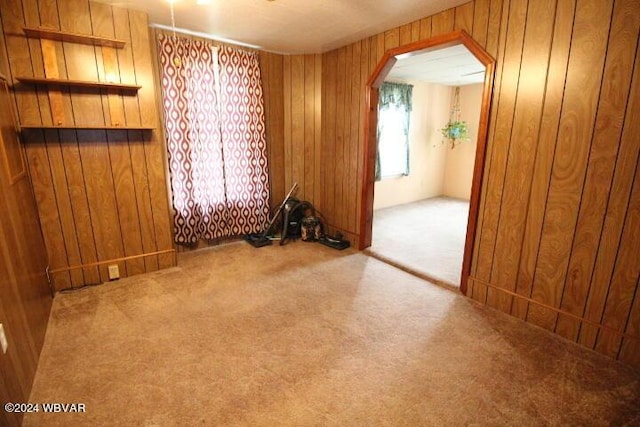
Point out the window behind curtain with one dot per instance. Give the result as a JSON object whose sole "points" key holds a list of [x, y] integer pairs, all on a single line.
{"points": [[394, 110], [216, 143]]}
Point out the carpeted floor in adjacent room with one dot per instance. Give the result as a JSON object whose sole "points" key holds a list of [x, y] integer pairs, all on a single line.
{"points": [[425, 238], [306, 335]]}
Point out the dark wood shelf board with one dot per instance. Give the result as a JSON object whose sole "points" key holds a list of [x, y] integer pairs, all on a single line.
{"points": [[64, 36], [87, 127], [77, 83]]}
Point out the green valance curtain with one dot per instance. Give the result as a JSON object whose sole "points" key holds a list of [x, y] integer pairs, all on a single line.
{"points": [[395, 93]]}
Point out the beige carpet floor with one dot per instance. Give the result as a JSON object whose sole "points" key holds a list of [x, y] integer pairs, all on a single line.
{"points": [[425, 238], [305, 335]]}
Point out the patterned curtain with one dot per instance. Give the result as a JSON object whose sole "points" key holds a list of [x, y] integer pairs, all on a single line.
{"points": [[243, 140], [215, 132]]}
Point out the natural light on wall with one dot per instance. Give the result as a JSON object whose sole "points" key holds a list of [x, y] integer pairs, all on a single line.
{"points": [[393, 151]]}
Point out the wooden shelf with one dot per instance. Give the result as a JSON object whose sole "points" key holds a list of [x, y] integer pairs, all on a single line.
{"points": [[87, 127], [64, 36], [77, 83]]}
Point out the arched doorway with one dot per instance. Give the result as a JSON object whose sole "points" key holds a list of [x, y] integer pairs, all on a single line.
{"points": [[371, 123]]}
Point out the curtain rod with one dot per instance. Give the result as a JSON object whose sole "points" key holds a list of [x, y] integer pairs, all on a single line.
{"points": [[204, 35]]}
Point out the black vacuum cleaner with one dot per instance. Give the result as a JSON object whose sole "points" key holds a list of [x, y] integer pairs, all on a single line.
{"points": [[258, 240]]}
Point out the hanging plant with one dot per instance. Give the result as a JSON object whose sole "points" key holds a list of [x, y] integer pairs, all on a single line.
{"points": [[455, 131]]}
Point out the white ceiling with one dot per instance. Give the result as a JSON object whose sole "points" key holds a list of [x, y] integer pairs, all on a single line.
{"points": [[451, 66], [289, 26]]}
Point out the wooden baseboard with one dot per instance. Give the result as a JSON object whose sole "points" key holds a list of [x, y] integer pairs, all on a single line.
{"points": [[474, 282], [164, 259]]}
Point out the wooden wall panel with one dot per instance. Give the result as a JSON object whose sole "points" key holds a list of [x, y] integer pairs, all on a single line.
{"points": [[624, 281], [286, 91], [519, 168], [309, 101], [443, 22], [302, 117], [618, 199], [102, 195], [512, 41], [556, 75], [556, 238], [297, 138], [577, 119], [463, 19], [480, 26], [604, 149], [329, 170], [425, 30], [154, 147], [352, 152], [271, 67], [25, 298], [498, 13]]}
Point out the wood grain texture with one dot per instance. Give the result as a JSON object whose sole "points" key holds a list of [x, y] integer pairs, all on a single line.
{"points": [[405, 34], [463, 18], [604, 149], [556, 76], [125, 66], [480, 21], [317, 131], [355, 142], [154, 148], [443, 22], [101, 194], [65, 212], [508, 72], [617, 203], [496, 13], [25, 299], [624, 281], [71, 166], [425, 29], [75, 16], [568, 223], [296, 159], [271, 66], [45, 33], [555, 199], [286, 93], [577, 120], [309, 126], [524, 132], [329, 170], [481, 25], [630, 349]]}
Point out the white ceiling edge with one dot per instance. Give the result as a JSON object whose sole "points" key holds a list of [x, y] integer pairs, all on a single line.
{"points": [[203, 35], [289, 26]]}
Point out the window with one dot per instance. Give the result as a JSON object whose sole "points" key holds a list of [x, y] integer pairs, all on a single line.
{"points": [[394, 110], [216, 142]]}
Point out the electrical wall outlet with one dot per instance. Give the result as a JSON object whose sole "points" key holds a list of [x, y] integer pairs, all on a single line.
{"points": [[114, 272], [3, 340]]}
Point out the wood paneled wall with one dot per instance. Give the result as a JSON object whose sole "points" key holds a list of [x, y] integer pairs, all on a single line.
{"points": [[101, 194], [293, 101], [272, 73], [557, 241], [345, 73], [25, 298], [559, 225], [302, 78]]}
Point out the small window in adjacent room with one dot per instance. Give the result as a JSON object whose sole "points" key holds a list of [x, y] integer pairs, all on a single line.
{"points": [[394, 110]]}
